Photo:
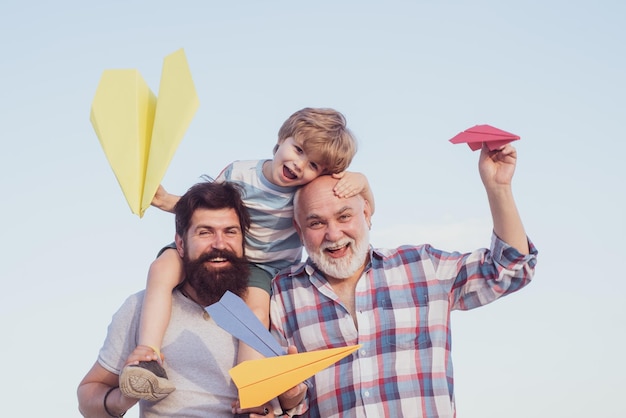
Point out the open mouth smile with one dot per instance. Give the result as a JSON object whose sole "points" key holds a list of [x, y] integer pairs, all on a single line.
{"points": [[288, 173], [218, 261], [337, 252]]}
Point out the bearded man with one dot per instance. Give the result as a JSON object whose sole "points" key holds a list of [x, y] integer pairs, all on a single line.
{"points": [[396, 303], [211, 221]]}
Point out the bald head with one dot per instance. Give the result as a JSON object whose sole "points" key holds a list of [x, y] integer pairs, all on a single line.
{"points": [[318, 190]]}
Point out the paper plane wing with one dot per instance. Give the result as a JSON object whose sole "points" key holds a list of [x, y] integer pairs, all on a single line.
{"points": [[261, 380], [122, 115], [233, 315], [176, 107], [476, 135], [140, 133]]}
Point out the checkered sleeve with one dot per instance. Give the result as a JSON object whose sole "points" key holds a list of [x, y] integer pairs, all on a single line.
{"points": [[482, 276]]}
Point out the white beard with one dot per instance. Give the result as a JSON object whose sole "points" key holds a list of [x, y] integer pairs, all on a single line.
{"points": [[344, 267]]}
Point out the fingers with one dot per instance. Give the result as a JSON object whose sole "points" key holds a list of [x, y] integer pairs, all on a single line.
{"points": [[259, 411], [143, 353], [344, 193], [344, 189], [503, 149], [505, 154], [350, 184]]}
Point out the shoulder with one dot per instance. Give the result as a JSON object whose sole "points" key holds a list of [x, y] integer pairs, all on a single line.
{"points": [[290, 274], [245, 164], [242, 170], [402, 251], [130, 307]]}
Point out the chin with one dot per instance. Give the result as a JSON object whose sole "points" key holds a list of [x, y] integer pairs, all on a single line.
{"points": [[339, 268], [346, 266]]}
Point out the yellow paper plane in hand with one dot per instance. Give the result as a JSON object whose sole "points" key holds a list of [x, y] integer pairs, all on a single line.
{"points": [[261, 380], [140, 133]]}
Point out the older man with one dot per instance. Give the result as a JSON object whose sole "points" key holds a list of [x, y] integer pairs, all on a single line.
{"points": [[395, 302], [210, 224]]}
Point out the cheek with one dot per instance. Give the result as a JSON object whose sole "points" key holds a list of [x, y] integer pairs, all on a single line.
{"points": [[282, 152], [236, 246], [313, 239], [310, 175], [198, 246], [192, 252]]}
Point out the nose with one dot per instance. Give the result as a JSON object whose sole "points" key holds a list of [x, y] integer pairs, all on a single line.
{"points": [[218, 241], [299, 163], [333, 232]]}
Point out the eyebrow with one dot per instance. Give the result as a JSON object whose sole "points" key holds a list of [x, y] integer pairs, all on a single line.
{"points": [[339, 212], [215, 228]]}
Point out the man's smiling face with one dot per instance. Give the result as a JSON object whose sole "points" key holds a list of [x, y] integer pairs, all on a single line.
{"points": [[212, 252], [335, 231]]}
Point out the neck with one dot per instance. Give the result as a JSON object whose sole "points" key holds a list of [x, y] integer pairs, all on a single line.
{"points": [[190, 293], [267, 171]]}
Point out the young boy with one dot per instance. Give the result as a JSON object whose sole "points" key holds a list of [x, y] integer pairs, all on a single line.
{"points": [[310, 143]]}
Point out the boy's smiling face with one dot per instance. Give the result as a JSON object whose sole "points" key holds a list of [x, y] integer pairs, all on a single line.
{"points": [[291, 166]]}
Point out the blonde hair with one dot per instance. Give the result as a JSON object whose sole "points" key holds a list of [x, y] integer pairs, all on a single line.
{"points": [[323, 135]]}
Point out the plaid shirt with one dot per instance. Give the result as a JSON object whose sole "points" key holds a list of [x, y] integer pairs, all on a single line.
{"points": [[403, 302]]}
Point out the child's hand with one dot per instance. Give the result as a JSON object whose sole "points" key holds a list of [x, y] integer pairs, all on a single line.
{"points": [[159, 197], [164, 200], [349, 184], [143, 353]]}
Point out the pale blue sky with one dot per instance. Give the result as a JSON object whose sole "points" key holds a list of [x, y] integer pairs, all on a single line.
{"points": [[408, 75]]}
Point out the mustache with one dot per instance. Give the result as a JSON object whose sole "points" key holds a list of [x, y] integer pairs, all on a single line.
{"points": [[333, 245], [225, 254]]}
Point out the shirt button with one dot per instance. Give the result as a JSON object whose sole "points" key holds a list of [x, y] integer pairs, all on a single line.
{"points": [[366, 393]]}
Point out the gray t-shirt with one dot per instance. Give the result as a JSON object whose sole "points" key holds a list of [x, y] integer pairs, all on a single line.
{"points": [[198, 355]]}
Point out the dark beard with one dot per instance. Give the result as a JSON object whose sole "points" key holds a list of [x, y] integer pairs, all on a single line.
{"points": [[210, 284]]}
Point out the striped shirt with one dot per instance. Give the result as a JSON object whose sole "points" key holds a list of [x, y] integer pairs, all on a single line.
{"points": [[272, 242], [403, 302]]}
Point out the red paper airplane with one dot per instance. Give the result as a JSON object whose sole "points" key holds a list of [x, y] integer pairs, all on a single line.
{"points": [[493, 137]]}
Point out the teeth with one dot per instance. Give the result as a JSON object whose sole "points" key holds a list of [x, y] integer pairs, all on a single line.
{"points": [[291, 172], [336, 248]]}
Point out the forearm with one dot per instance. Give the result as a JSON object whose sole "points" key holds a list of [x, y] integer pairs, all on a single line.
{"points": [[164, 275], [258, 300], [166, 202], [91, 401], [507, 223]]}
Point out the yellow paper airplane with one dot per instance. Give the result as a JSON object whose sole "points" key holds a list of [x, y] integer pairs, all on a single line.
{"points": [[140, 133], [261, 380]]}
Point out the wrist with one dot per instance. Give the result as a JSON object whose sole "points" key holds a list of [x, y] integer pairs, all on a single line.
{"points": [[292, 406], [499, 188], [112, 408]]}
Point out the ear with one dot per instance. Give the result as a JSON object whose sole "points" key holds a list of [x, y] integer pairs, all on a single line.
{"points": [[180, 247], [367, 212], [297, 227]]}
